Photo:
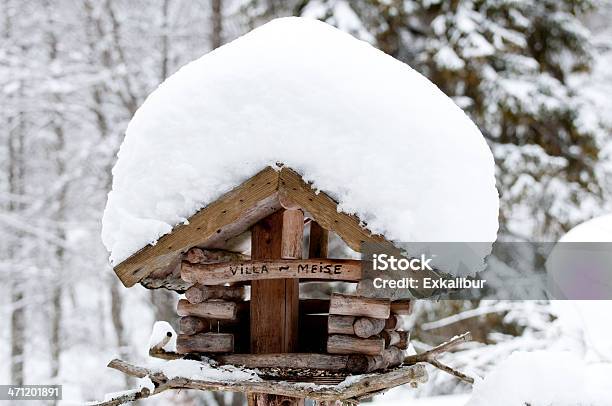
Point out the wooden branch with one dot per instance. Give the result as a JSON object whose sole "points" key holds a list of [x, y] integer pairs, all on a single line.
{"points": [[327, 362], [218, 309], [124, 398], [431, 355], [342, 344], [359, 388], [128, 369], [165, 340], [163, 354], [460, 375], [240, 271], [190, 325], [205, 342], [200, 293], [349, 305]]}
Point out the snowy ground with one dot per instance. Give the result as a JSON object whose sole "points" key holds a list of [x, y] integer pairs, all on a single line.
{"points": [[401, 397]]}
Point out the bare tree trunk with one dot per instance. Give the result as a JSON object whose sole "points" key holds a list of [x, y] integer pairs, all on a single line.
{"points": [[238, 399], [57, 283], [16, 171], [95, 33], [116, 311], [165, 42], [15, 188], [216, 35], [17, 334]]}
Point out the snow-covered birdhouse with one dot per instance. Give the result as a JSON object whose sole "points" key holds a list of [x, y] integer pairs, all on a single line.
{"points": [[293, 133]]}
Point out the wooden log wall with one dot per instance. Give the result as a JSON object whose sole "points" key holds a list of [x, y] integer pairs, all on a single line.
{"points": [[213, 319], [369, 327]]}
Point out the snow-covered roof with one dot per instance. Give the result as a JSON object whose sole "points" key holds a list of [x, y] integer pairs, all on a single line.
{"points": [[368, 130]]}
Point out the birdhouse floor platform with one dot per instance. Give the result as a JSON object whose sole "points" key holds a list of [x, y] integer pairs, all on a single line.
{"points": [[305, 383]]}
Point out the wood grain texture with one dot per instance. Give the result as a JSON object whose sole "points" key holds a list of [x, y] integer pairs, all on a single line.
{"points": [[274, 303], [349, 305], [293, 360], [318, 243], [190, 325], [324, 210], [217, 309], [343, 344], [205, 342], [200, 293], [231, 272]]}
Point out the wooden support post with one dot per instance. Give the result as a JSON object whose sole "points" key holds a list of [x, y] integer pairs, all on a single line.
{"points": [[274, 303], [318, 243]]}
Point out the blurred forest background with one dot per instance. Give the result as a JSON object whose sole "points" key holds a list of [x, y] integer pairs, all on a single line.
{"points": [[535, 76]]}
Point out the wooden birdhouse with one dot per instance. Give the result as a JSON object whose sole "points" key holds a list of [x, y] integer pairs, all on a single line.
{"points": [[246, 310], [274, 207], [199, 207]]}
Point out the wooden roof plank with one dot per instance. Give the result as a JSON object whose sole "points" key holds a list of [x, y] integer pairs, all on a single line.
{"points": [[232, 213], [324, 210]]}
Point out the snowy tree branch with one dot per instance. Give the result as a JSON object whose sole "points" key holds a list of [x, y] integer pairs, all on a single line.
{"points": [[364, 386], [431, 355]]}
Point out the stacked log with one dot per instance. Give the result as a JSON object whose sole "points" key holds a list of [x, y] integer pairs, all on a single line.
{"points": [[211, 317], [368, 326]]}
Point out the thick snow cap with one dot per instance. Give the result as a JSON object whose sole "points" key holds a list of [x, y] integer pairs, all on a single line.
{"points": [[368, 130]]}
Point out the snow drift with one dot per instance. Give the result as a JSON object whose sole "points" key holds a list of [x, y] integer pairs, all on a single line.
{"points": [[580, 264], [543, 378], [370, 131]]}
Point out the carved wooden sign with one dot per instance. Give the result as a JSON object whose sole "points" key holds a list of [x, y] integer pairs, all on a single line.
{"points": [[229, 272]]}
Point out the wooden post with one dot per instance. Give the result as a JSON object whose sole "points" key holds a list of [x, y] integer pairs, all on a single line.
{"points": [[317, 245], [274, 303]]}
